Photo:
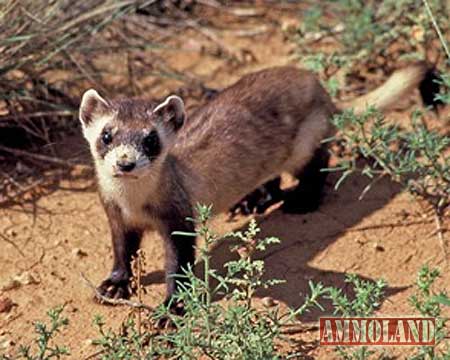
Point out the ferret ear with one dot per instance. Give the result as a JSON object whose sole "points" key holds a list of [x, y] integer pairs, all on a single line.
{"points": [[171, 112], [92, 106]]}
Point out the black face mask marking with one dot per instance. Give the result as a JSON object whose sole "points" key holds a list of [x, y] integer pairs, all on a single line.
{"points": [[104, 141], [107, 136], [151, 144]]}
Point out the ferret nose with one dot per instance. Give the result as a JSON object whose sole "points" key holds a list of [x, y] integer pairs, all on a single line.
{"points": [[126, 166]]}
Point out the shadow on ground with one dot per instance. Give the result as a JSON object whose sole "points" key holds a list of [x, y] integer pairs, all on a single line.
{"points": [[305, 237]]}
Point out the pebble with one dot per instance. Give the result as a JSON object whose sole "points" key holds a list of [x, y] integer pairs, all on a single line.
{"points": [[268, 301], [26, 278], [78, 252], [10, 284], [289, 26], [89, 342], [5, 343], [378, 247], [6, 304], [11, 232]]}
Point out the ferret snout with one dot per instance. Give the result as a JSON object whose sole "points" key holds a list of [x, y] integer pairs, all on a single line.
{"points": [[123, 158], [126, 160], [126, 166]]}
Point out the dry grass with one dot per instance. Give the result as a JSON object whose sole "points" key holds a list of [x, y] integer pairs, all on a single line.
{"points": [[38, 39], [51, 50]]}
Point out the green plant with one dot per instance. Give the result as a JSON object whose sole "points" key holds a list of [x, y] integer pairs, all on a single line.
{"points": [[418, 159], [43, 349], [367, 297], [429, 304], [366, 300], [418, 156], [374, 36], [444, 82], [127, 343], [234, 328]]}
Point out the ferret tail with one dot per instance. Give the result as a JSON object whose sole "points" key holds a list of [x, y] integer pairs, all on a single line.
{"points": [[398, 85]]}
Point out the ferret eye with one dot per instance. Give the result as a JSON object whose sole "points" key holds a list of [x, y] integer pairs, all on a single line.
{"points": [[151, 144], [106, 137]]}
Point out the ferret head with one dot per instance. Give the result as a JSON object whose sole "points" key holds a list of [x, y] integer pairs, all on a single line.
{"points": [[129, 137]]}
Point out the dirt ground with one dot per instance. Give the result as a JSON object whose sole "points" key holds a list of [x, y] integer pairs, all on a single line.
{"points": [[50, 239]]}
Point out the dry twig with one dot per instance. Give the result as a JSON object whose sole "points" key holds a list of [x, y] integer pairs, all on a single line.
{"points": [[45, 158], [133, 304]]}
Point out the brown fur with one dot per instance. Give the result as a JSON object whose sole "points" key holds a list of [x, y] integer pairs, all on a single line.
{"points": [[267, 123], [250, 131]]}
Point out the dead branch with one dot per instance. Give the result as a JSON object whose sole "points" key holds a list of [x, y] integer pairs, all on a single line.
{"points": [[94, 355], [45, 158], [34, 115], [290, 329], [23, 189], [133, 304], [440, 232]]}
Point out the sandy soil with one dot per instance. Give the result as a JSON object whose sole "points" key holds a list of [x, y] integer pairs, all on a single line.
{"points": [[55, 236]]}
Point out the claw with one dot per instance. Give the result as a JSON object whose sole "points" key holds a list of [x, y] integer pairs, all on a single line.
{"points": [[114, 289]]}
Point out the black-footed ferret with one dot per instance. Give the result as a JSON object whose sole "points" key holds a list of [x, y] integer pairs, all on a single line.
{"points": [[154, 162]]}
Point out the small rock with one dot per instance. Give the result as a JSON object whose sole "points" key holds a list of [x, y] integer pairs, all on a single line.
{"points": [[11, 232], [71, 308], [404, 214], [6, 344], [289, 26], [78, 252], [268, 302], [12, 316], [10, 284], [378, 247], [6, 304], [89, 342], [27, 278]]}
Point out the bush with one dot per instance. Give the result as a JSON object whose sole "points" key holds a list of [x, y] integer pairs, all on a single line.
{"points": [[429, 304], [376, 36], [235, 328], [416, 156], [40, 39], [42, 349]]}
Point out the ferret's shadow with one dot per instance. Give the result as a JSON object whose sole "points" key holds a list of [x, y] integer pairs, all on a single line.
{"points": [[305, 237]]}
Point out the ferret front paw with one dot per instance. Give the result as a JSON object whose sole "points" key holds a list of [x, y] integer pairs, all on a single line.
{"points": [[114, 289], [259, 200]]}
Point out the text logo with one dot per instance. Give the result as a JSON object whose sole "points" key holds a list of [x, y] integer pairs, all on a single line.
{"points": [[377, 331]]}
